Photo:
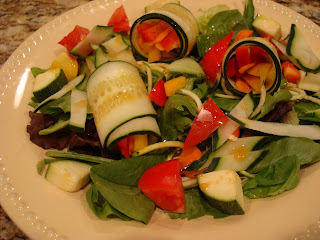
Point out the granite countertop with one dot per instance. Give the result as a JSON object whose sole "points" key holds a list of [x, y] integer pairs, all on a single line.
{"points": [[19, 19]]}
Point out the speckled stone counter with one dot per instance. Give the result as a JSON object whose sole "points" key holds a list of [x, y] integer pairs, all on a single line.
{"points": [[19, 19]]}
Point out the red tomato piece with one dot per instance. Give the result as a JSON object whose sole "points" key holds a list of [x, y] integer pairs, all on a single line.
{"points": [[74, 37], [163, 185], [243, 56], [126, 146], [119, 20], [243, 34], [212, 60], [158, 94], [291, 73], [232, 67], [208, 120]]}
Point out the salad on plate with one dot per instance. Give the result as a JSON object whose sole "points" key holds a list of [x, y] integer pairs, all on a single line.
{"points": [[194, 116]]}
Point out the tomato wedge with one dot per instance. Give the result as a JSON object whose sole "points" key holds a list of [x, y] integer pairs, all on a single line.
{"points": [[119, 20], [291, 73], [158, 94], [208, 120], [74, 37], [163, 185], [212, 60]]}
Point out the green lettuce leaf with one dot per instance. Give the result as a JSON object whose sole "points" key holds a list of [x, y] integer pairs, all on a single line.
{"points": [[128, 200], [127, 171], [306, 150], [100, 207], [197, 206], [275, 179], [305, 109]]}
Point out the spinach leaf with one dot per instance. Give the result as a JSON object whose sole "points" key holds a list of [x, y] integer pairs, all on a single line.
{"points": [[306, 150], [127, 171], [225, 104], [197, 206], [218, 27], [126, 199], [58, 106], [248, 13], [172, 121], [100, 207], [275, 179], [304, 110], [272, 100]]}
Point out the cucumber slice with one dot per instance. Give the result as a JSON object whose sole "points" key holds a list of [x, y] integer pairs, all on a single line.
{"points": [[136, 126], [78, 112], [114, 45], [244, 109], [49, 83], [310, 82], [68, 175], [223, 190], [282, 129], [186, 65], [116, 95], [100, 57], [266, 26], [96, 36], [66, 88], [158, 4], [299, 49], [241, 145]]}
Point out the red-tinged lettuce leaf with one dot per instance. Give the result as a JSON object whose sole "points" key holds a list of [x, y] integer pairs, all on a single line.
{"points": [[57, 140]]}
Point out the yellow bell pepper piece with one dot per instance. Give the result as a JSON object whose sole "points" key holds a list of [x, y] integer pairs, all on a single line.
{"points": [[140, 141], [69, 65], [174, 85]]}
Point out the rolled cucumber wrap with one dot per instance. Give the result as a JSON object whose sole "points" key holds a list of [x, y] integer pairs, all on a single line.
{"points": [[172, 34], [261, 73], [117, 95]]}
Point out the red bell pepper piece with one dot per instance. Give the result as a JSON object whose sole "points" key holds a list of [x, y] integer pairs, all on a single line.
{"points": [[243, 34], [291, 73], [208, 120], [258, 54], [171, 41], [243, 56], [150, 31], [232, 67], [158, 94], [212, 60], [119, 20], [74, 37], [163, 185], [126, 146]]}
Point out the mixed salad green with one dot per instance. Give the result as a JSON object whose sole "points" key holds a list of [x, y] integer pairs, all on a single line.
{"points": [[235, 114]]}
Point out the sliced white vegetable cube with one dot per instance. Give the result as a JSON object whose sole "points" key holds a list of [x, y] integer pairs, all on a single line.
{"points": [[266, 26]]}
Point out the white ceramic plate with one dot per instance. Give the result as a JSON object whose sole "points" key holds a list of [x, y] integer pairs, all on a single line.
{"points": [[44, 212]]}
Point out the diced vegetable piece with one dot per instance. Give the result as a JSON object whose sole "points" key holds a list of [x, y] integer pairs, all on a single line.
{"points": [[299, 49], [68, 175], [69, 65], [126, 146], [243, 56], [119, 20], [174, 85], [290, 72], [208, 120], [74, 37], [140, 141], [48, 83], [266, 26], [223, 190], [211, 61], [232, 67], [243, 34], [243, 86], [158, 94], [78, 110], [189, 155], [163, 185], [253, 81], [245, 68]]}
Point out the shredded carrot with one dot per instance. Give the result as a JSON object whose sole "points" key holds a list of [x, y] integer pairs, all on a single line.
{"points": [[243, 86]]}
